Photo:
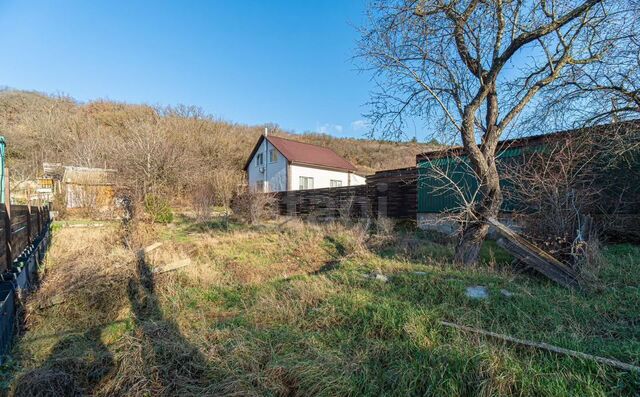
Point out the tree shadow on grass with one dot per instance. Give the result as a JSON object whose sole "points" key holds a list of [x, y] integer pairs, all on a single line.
{"points": [[172, 366], [75, 367], [155, 360]]}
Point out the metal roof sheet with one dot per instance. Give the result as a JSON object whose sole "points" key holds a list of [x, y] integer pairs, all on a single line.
{"points": [[305, 154]]}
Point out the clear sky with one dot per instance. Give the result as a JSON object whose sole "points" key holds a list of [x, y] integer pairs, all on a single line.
{"points": [[281, 61]]}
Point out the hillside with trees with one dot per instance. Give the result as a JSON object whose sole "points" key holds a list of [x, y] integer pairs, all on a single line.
{"points": [[163, 148]]}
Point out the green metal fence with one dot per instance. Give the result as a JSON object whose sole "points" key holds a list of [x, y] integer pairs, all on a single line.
{"points": [[444, 184]]}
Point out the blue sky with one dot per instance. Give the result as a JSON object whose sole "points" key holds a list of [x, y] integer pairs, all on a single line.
{"points": [[286, 62]]}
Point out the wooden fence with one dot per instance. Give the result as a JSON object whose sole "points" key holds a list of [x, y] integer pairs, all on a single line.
{"points": [[391, 194], [18, 229]]}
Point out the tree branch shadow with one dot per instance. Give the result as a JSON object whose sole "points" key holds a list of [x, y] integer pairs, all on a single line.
{"points": [[172, 363]]}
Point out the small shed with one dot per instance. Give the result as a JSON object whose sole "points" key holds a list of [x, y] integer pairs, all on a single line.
{"points": [[89, 187]]}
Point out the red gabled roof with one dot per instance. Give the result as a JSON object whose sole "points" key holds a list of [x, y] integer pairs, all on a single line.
{"points": [[305, 153]]}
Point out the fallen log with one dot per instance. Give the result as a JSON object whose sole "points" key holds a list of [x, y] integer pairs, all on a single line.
{"points": [[537, 259], [545, 346]]}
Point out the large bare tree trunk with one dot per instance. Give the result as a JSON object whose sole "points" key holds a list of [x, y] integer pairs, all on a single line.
{"points": [[468, 247], [475, 231]]}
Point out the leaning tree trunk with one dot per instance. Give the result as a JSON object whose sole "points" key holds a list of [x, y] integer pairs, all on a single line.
{"points": [[475, 231]]}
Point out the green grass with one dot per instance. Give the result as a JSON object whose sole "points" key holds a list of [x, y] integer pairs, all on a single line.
{"points": [[384, 338], [292, 311]]}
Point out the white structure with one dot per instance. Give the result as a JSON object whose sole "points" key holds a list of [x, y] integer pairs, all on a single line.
{"points": [[279, 164]]}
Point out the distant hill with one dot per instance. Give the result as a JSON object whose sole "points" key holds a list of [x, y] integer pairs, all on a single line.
{"points": [[181, 139]]}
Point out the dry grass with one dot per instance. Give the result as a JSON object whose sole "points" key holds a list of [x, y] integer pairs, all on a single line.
{"points": [[287, 309], [87, 269], [83, 292]]}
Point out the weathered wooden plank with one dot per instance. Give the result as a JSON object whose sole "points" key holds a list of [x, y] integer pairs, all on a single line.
{"points": [[172, 266], [539, 260]]}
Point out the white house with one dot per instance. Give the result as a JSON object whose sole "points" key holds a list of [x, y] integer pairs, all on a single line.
{"points": [[278, 164]]}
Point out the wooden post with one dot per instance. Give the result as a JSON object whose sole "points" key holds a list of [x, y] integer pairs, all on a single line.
{"points": [[546, 346], [7, 235], [29, 223], [39, 219], [7, 192]]}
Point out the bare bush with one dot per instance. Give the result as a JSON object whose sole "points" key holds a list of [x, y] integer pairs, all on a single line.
{"points": [[556, 189], [150, 160], [346, 208], [253, 207], [203, 200], [227, 183], [219, 187], [385, 227]]}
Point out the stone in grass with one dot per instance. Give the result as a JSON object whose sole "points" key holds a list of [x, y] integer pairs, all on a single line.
{"points": [[381, 277], [377, 276], [506, 293], [477, 292]]}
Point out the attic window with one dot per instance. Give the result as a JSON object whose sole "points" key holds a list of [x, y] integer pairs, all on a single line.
{"points": [[260, 159], [273, 156]]}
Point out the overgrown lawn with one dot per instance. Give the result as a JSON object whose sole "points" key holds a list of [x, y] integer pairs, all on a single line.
{"points": [[296, 309]]}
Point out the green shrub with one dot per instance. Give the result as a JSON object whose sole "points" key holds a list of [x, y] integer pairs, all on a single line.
{"points": [[158, 208]]}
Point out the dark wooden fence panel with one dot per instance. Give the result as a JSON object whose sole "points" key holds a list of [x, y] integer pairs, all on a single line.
{"points": [[33, 223], [19, 229], [395, 193], [390, 193], [20, 221], [4, 234], [327, 202]]}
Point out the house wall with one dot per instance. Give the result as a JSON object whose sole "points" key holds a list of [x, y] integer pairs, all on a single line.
{"points": [[275, 174], [357, 180], [322, 177]]}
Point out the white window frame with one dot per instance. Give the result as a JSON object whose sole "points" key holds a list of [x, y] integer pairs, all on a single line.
{"points": [[305, 182], [273, 155], [261, 186], [335, 183]]}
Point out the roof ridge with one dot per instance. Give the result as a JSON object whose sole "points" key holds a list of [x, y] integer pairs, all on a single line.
{"points": [[293, 140], [315, 155], [312, 144]]}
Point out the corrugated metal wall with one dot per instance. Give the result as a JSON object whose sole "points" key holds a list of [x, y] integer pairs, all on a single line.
{"points": [[437, 194]]}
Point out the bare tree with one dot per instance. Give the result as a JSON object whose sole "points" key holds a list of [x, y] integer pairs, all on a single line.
{"points": [[475, 66], [226, 185], [603, 91], [149, 159]]}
